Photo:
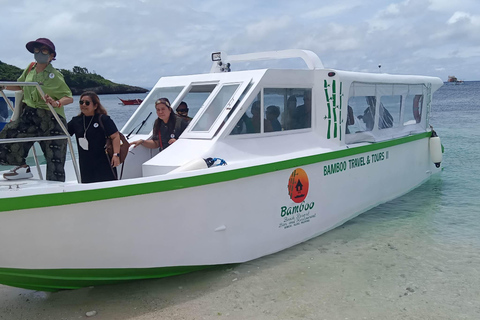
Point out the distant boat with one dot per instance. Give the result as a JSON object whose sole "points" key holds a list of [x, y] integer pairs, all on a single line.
{"points": [[130, 102], [454, 80]]}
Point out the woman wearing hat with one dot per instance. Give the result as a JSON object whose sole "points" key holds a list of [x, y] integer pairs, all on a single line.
{"points": [[36, 119]]}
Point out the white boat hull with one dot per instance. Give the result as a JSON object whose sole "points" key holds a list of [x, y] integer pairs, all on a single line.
{"points": [[209, 224]]}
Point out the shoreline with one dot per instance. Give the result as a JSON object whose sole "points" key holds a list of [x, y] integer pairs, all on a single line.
{"points": [[347, 273]]}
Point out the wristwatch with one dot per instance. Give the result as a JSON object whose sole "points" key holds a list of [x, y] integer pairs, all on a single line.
{"points": [[116, 154]]}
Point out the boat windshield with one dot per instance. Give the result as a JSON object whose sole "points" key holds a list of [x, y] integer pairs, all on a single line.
{"points": [[215, 108]]}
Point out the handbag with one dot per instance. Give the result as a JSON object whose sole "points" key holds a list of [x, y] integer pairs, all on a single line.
{"points": [[124, 145]]}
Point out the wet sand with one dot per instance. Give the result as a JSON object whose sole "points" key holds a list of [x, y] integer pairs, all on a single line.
{"points": [[348, 273]]}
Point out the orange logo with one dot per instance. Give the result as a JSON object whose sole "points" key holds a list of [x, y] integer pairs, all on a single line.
{"points": [[298, 185]]}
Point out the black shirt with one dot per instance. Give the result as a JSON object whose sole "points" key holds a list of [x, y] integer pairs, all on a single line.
{"points": [[94, 163]]}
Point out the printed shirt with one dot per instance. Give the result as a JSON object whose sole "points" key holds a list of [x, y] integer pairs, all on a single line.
{"points": [[52, 83]]}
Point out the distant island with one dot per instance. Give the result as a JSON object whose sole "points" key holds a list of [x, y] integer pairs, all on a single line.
{"points": [[79, 80]]}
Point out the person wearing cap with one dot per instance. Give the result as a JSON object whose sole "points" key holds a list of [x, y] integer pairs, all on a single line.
{"points": [[36, 118], [182, 111], [166, 129]]}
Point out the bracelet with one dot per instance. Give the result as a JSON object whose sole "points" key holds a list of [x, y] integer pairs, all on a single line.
{"points": [[59, 104], [142, 141], [116, 154]]}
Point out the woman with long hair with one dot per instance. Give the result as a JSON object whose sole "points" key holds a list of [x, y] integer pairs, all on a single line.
{"points": [[92, 127], [166, 129]]}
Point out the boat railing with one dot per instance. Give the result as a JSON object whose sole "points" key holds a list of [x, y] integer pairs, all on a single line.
{"points": [[46, 138], [221, 60]]}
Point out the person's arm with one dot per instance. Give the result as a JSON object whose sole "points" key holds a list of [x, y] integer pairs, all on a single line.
{"points": [[116, 149], [151, 144], [12, 88], [58, 103]]}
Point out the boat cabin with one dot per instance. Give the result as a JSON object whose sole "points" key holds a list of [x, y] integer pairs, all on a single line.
{"points": [[251, 116]]}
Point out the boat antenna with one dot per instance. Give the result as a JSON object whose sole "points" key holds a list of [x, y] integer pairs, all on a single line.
{"points": [[140, 126]]}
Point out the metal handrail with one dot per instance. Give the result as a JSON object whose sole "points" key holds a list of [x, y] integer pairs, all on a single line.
{"points": [[35, 139]]}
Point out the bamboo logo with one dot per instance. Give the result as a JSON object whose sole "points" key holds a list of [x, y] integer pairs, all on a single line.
{"points": [[298, 185]]}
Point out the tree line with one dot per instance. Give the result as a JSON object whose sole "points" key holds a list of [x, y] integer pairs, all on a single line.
{"points": [[78, 79]]}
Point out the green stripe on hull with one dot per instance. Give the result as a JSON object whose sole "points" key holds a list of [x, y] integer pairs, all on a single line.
{"points": [[60, 279], [65, 198]]}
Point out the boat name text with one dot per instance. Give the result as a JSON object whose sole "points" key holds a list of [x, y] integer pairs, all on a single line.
{"points": [[296, 215], [354, 163]]}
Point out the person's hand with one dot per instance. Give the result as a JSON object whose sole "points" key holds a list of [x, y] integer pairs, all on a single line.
{"points": [[115, 161], [137, 143], [53, 103], [171, 141]]}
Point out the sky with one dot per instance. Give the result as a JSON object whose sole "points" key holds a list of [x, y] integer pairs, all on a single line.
{"points": [[136, 42]]}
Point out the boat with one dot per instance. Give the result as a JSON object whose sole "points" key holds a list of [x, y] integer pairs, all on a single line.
{"points": [[130, 102], [232, 188], [453, 79]]}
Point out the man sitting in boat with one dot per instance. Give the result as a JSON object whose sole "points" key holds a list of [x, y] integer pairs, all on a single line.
{"points": [[272, 114], [303, 113], [166, 129], [182, 111]]}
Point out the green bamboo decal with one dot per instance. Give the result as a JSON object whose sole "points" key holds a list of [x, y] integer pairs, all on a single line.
{"points": [[329, 117], [341, 109], [334, 99]]}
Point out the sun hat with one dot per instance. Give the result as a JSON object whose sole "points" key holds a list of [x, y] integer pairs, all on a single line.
{"points": [[39, 42]]}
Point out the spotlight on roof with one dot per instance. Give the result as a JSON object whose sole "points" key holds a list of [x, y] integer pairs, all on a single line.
{"points": [[216, 56]]}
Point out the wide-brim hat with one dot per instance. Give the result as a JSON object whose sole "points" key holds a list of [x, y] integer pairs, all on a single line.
{"points": [[39, 42]]}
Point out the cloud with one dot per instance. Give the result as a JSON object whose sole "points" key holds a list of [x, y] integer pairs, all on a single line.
{"points": [[138, 41]]}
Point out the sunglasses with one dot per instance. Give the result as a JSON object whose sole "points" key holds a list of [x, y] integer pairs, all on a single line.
{"points": [[42, 50], [87, 103], [183, 111]]}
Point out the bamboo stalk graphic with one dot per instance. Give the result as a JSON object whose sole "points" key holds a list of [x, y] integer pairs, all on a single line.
{"points": [[329, 117], [334, 97], [340, 116]]}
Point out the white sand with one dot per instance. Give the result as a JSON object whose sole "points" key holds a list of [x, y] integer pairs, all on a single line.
{"points": [[347, 273]]}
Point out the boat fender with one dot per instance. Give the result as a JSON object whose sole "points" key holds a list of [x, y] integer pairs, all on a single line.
{"points": [[435, 146]]}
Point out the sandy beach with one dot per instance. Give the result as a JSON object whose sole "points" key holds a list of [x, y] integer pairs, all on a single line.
{"points": [[348, 273]]}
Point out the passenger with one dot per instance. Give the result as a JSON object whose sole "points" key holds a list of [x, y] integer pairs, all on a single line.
{"points": [[166, 129], [303, 113], [91, 128], [385, 118], [289, 121], [350, 119], [255, 110], [272, 114], [36, 118], [244, 125], [182, 111]]}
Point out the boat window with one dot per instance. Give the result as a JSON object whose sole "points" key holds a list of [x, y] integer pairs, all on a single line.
{"points": [[283, 109], [215, 107], [143, 119], [197, 96], [389, 111], [361, 114], [413, 109]]}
